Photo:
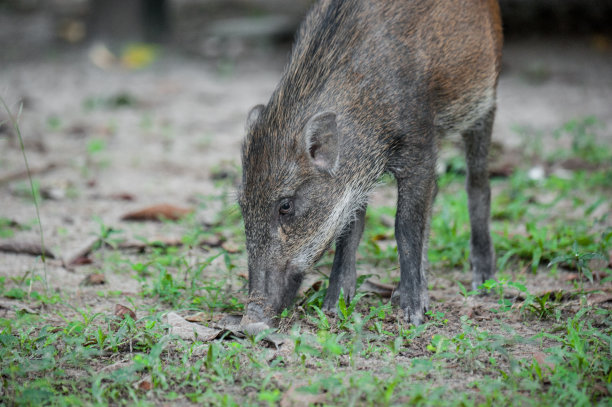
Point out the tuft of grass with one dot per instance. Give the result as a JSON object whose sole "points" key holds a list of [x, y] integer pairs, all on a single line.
{"points": [[35, 195]]}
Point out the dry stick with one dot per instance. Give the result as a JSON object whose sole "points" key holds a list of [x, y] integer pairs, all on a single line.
{"points": [[24, 247], [22, 174], [91, 244], [15, 124]]}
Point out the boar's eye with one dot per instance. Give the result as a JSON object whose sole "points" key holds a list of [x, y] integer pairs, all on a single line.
{"points": [[286, 207]]}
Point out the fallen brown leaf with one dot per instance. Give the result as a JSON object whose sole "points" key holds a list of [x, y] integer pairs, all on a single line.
{"points": [[79, 261], [156, 242], [16, 306], [541, 359], [188, 330], [295, 398], [230, 247], [121, 311], [145, 385], [158, 213], [599, 298], [82, 251], [94, 279], [380, 236], [575, 163], [123, 196], [597, 275], [504, 161], [311, 281], [213, 241], [384, 290], [199, 317]]}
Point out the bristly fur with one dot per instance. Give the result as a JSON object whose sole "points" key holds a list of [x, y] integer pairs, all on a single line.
{"points": [[396, 75]]}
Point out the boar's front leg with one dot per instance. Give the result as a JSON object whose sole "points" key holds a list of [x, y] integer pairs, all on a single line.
{"points": [[344, 275], [416, 192]]}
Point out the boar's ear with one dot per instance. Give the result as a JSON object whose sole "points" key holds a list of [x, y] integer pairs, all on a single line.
{"points": [[253, 115], [321, 140]]}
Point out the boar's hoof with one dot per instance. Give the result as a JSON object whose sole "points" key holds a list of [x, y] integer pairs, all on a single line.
{"points": [[329, 308], [416, 318], [329, 305], [255, 313]]}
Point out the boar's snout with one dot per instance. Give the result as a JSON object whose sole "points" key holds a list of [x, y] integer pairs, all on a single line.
{"points": [[270, 291]]}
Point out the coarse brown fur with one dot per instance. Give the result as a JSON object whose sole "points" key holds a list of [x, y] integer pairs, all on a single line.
{"points": [[370, 86]]}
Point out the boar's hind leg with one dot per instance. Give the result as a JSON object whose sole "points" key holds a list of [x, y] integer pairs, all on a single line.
{"points": [[415, 197], [482, 255], [344, 275]]}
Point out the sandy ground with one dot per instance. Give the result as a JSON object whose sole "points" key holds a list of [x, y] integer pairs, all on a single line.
{"points": [[184, 119]]}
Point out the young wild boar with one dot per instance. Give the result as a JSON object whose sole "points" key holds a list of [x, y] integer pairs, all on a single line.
{"points": [[370, 88]]}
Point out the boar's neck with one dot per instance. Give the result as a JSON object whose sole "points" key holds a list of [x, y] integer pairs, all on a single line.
{"points": [[336, 66]]}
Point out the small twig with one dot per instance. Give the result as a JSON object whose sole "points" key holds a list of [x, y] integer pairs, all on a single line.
{"points": [[15, 124], [25, 173], [21, 247]]}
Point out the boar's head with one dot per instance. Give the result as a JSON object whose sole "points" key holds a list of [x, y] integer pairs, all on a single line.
{"points": [[293, 202]]}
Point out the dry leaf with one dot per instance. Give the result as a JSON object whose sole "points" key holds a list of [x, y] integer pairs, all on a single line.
{"points": [[16, 306], [597, 275], [154, 242], [199, 317], [311, 281], [577, 164], [137, 56], [504, 165], [100, 56], [599, 298], [121, 311], [190, 331], [122, 196], [295, 398], [94, 279], [380, 236], [230, 247], [384, 290], [79, 261], [158, 213], [145, 385], [81, 252], [213, 241], [541, 359]]}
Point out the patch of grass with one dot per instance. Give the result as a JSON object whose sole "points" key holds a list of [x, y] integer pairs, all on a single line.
{"points": [[514, 347]]}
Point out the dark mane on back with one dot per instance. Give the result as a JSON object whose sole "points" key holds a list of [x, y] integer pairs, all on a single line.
{"points": [[322, 44]]}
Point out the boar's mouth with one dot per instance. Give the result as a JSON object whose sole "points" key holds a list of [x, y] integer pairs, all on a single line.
{"points": [[269, 297]]}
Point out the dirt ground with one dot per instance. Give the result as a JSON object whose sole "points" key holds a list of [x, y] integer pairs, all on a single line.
{"points": [[185, 120], [104, 142]]}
